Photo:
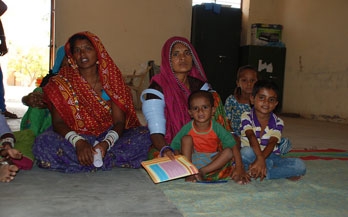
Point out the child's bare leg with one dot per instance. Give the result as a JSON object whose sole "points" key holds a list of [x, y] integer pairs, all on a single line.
{"points": [[187, 150], [7, 172], [218, 162]]}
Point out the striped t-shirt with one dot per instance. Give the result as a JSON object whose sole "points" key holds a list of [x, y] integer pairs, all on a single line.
{"points": [[273, 129]]}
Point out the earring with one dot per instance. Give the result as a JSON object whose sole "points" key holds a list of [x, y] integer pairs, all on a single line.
{"points": [[72, 64], [97, 62]]}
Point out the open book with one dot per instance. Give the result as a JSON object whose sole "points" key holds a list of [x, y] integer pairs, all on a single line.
{"points": [[163, 169]]}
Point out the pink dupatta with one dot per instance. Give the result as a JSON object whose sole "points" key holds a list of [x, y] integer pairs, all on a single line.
{"points": [[175, 92]]}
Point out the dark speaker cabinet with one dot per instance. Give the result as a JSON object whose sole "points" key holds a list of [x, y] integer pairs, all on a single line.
{"points": [[269, 62], [216, 37]]}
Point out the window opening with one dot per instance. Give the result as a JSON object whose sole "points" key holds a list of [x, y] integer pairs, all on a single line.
{"points": [[231, 3]]}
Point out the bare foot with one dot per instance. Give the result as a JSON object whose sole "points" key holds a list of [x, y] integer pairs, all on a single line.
{"points": [[190, 178], [294, 178], [199, 176], [10, 115], [7, 172], [194, 178]]}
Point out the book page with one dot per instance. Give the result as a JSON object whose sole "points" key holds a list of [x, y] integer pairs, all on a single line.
{"points": [[164, 169]]}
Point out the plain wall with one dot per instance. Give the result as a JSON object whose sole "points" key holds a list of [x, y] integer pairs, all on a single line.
{"points": [[316, 71], [317, 64], [133, 31]]}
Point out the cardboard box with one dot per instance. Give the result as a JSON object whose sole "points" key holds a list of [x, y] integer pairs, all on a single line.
{"points": [[264, 34]]}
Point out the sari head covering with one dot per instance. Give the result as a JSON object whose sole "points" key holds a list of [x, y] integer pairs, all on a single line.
{"points": [[175, 92], [79, 105]]}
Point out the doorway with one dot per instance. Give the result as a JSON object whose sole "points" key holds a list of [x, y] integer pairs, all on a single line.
{"points": [[27, 26], [27, 30]]}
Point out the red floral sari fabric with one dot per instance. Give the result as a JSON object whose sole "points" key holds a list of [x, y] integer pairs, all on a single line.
{"points": [[79, 105]]}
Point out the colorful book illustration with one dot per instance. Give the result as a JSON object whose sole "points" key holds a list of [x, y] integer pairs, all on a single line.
{"points": [[164, 169]]}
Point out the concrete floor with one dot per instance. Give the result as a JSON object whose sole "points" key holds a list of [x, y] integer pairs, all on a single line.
{"points": [[314, 134], [123, 192]]}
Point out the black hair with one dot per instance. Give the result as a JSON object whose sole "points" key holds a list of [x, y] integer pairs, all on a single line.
{"points": [[74, 38], [237, 90], [201, 93], [267, 84]]}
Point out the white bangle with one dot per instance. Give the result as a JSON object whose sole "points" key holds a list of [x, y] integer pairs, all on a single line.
{"points": [[109, 143], [7, 140], [76, 139], [111, 138], [73, 137], [69, 134]]}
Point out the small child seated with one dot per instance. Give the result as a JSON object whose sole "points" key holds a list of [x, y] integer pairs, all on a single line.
{"points": [[260, 136], [38, 118], [239, 102], [207, 144]]}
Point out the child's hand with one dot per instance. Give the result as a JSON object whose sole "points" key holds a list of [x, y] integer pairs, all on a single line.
{"points": [[240, 176], [14, 153], [169, 154], [258, 169], [35, 99]]}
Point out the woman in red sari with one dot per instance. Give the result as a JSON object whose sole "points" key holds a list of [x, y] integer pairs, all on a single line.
{"points": [[91, 109]]}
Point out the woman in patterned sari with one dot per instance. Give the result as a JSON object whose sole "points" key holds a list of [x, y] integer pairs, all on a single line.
{"points": [[38, 118], [91, 109]]}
